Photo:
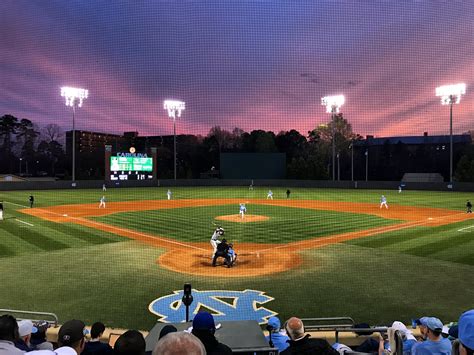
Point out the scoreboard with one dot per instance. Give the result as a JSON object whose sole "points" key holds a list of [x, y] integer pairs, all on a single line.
{"points": [[131, 167]]}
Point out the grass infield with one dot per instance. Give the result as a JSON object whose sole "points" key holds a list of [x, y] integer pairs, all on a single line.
{"points": [[79, 272]]}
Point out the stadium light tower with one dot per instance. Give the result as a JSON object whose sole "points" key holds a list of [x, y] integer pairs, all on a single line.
{"points": [[174, 109], [74, 98], [451, 94], [333, 104]]}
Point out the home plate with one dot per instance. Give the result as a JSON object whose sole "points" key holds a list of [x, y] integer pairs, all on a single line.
{"points": [[64, 215], [430, 218]]}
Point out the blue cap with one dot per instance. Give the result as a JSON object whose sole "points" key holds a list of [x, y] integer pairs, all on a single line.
{"points": [[204, 321], [466, 329], [422, 321], [434, 324], [274, 322]]}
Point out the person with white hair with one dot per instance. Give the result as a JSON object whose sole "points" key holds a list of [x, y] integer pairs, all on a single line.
{"points": [[301, 343], [407, 336], [179, 343]]}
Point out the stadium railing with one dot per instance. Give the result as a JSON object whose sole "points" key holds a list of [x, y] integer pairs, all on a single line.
{"points": [[34, 316]]}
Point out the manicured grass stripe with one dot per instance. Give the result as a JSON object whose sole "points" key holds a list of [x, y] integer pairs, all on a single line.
{"points": [[438, 244], [6, 251], [467, 259], [89, 235], [34, 238]]}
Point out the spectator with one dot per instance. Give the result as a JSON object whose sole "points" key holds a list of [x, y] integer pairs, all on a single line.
{"points": [[179, 343], [130, 343], [25, 329], [94, 346], [434, 343], [204, 329], [38, 339], [466, 333], [71, 337], [407, 336], [8, 334], [166, 330], [301, 343], [278, 336]]}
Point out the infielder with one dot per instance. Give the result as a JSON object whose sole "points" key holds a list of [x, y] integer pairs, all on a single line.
{"points": [[169, 194], [102, 202], [243, 210], [270, 195], [383, 202], [215, 239]]}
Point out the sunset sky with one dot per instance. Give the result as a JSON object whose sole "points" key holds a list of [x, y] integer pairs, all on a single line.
{"points": [[248, 64]]}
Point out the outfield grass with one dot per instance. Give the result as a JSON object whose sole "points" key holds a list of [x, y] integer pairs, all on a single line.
{"points": [[85, 273]]}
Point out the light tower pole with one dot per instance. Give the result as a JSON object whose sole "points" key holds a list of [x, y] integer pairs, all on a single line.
{"points": [[74, 97], [333, 104], [367, 164], [451, 94], [174, 109]]}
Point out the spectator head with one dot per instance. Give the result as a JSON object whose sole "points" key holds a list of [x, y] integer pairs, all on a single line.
{"points": [[97, 330], [422, 324], [8, 328], [42, 326], [179, 343], [274, 324], [25, 329], [466, 333], [72, 334], [434, 327], [402, 328], [166, 330], [204, 321], [130, 343], [294, 328]]}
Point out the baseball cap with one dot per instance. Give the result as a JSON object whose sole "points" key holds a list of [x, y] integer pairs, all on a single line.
{"points": [[166, 330], [274, 322], [71, 331], [466, 329], [434, 324], [204, 320], [421, 321], [26, 327]]}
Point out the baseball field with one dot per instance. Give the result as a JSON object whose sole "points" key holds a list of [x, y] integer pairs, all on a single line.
{"points": [[320, 253]]}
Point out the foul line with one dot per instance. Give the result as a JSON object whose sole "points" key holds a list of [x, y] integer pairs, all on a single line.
{"points": [[463, 229], [87, 221], [19, 220]]}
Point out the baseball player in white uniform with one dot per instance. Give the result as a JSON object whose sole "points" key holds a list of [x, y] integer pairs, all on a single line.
{"points": [[1, 211], [242, 210], [383, 202], [169, 194], [102, 202], [215, 239], [270, 195], [104, 188]]}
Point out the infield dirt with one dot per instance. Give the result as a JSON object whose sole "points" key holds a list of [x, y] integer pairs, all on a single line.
{"points": [[254, 259]]}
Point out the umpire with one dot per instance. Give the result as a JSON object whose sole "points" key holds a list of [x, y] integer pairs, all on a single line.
{"points": [[222, 251]]}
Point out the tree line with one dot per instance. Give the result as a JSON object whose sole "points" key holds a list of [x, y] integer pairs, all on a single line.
{"points": [[30, 149]]}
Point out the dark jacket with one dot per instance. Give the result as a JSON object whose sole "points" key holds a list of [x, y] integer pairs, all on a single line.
{"points": [[97, 348], [211, 344], [309, 346]]}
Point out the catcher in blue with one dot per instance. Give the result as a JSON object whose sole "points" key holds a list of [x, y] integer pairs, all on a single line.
{"points": [[215, 239], [243, 210]]}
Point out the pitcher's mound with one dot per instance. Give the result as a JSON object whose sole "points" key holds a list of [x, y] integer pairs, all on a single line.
{"points": [[247, 218]]}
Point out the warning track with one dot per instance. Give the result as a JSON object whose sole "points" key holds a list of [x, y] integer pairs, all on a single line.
{"points": [[254, 259]]}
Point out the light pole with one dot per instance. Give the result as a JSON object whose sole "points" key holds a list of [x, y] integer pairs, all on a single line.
{"points": [[338, 168], [351, 147], [74, 97], [367, 164], [451, 94], [174, 109], [333, 104], [20, 165]]}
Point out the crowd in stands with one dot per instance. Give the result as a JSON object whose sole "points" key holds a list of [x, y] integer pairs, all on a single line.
{"points": [[24, 336]]}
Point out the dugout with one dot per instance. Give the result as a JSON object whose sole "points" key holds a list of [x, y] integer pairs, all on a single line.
{"points": [[253, 165]]}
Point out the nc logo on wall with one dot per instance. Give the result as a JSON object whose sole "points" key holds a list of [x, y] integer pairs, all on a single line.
{"points": [[223, 305]]}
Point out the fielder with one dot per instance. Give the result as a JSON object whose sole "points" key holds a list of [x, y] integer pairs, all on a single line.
{"points": [[104, 188], [243, 210], [215, 239], [270, 195], [102, 202], [1, 211], [383, 202], [169, 194]]}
